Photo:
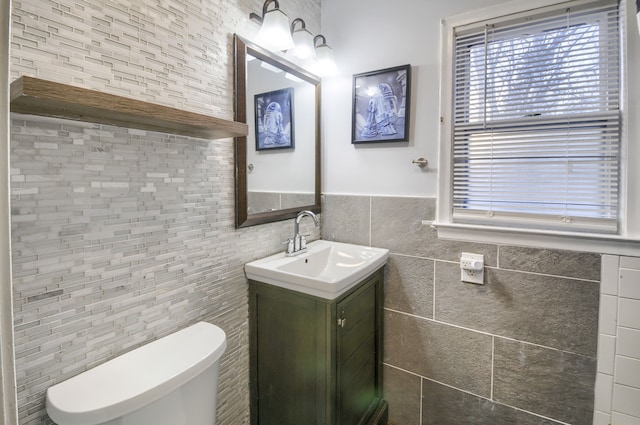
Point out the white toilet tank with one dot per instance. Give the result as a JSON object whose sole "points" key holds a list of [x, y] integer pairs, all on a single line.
{"points": [[170, 381]]}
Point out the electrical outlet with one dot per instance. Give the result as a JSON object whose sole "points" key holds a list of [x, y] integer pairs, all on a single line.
{"points": [[472, 268], [471, 264]]}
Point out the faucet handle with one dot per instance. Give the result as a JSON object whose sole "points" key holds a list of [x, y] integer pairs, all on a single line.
{"points": [[289, 244], [303, 240], [297, 243]]}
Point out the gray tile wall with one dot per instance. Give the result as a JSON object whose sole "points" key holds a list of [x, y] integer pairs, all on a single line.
{"points": [[123, 236], [520, 349]]}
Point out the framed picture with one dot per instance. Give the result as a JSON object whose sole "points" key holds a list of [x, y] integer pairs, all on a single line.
{"points": [[381, 105], [274, 119]]}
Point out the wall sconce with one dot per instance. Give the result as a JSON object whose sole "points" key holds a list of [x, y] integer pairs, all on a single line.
{"points": [[304, 45], [325, 63], [274, 32]]}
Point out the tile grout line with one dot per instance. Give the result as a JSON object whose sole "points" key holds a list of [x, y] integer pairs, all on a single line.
{"points": [[493, 360], [433, 307], [370, 220]]}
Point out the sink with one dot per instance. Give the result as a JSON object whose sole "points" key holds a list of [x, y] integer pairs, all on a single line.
{"points": [[327, 269]]}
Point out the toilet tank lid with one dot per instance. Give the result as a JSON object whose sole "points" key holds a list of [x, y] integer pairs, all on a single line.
{"points": [[137, 378]]}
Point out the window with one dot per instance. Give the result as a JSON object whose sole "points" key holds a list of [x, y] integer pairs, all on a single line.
{"points": [[535, 130]]}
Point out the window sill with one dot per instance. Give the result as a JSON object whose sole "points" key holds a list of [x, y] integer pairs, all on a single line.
{"points": [[587, 242]]}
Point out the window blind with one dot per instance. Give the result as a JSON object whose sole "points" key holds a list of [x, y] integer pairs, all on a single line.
{"points": [[536, 128]]}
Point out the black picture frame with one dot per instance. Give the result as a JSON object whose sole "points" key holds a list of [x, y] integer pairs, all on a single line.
{"points": [[381, 105], [274, 120]]}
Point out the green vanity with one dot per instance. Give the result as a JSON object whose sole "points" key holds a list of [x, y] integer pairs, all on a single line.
{"points": [[316, 352]]}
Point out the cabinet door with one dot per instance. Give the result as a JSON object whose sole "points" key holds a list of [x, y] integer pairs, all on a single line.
{"points": [[290, 358], [356, 354]]}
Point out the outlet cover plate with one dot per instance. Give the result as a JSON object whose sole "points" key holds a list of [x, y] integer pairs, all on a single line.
{"points": [[467, 273]]}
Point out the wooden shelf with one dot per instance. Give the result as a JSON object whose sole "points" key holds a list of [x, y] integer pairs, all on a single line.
{"points": [[34, 96]]}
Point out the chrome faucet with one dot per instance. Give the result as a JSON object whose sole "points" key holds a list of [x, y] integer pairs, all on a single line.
{"points": [[298, 244]]}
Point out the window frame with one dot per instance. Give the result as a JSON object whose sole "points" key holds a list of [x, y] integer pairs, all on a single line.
{"points": [[627, 240]]}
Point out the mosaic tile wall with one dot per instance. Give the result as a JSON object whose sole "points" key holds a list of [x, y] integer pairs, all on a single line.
{"points": [[123, 236], [520, 349]]}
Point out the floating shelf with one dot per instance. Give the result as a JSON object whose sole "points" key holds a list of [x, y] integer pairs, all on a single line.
{"points": [[34, 96]]}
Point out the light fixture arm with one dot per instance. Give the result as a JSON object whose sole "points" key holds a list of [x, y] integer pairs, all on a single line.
{"points": [[265, 7], [303, 25], [319, 37]]}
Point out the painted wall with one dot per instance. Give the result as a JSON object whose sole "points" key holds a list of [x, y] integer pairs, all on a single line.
{"points": [[370, 35], [123, 236]]}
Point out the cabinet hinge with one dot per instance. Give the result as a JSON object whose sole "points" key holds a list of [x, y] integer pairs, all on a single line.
{"points": [[341, 320]]}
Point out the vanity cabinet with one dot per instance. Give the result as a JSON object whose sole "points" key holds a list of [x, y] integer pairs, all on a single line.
{"points": [[316, 361]]}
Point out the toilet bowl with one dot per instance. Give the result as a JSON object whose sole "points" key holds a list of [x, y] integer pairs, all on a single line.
{"points": [[170, 381]]}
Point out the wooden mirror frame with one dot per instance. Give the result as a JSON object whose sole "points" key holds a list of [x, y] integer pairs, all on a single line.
{"points": [[243, 218]]}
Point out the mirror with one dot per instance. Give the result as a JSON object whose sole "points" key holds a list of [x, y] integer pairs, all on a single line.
{"points": [[278, 162]]}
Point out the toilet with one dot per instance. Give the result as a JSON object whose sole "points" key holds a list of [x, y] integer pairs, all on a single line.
{"points": [[170, 381]]}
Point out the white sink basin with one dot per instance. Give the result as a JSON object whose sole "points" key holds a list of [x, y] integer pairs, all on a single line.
{"points": [[328, 269]]}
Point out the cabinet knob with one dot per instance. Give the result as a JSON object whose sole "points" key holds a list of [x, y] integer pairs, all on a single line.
{"points": [[341, 322]]}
